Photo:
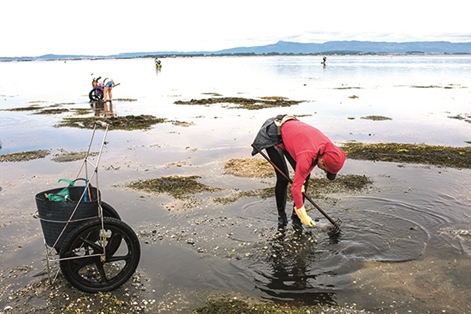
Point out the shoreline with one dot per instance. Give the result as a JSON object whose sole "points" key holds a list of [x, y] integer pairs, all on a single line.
{"points": [[164, 55]]}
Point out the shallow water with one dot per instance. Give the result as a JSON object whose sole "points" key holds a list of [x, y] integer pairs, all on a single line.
{"points": [[385, 86], [407, 233]]}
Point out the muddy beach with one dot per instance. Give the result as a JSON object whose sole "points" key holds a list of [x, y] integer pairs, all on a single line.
{"points": [[42, 296], [184, 197], [177, 168]]}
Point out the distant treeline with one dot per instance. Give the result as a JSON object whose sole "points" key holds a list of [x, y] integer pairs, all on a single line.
{"points": [[248, 54], [283, 48]]}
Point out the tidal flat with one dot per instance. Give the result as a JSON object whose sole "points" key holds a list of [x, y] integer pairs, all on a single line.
{"points": [[203, 208]]}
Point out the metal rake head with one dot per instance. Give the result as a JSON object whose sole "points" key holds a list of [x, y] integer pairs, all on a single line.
{"points": [[336, 227]]}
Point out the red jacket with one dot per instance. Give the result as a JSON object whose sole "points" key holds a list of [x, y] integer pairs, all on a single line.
{"points": [[304, 143]]}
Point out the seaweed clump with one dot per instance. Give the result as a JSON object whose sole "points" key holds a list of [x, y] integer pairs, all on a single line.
{"points": [[318, 188], [260, 168], [65, 156], [128, 123], [24, 156], [243, 103], [52, 111], [376, 118], [29, 108], [454, 157], [466, 117], [176, 186], [341, 184], [234, 305], [260, 193], [245, 167]]}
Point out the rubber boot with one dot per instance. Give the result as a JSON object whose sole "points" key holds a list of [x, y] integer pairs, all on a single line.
{"points": [[282, 219]]}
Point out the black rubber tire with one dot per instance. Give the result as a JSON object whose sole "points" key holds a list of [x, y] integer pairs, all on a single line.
{"points": [[91, 274], [95, 95], [109, 211]]}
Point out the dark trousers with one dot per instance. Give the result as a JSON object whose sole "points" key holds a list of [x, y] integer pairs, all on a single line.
{"points": [[279, 157]]}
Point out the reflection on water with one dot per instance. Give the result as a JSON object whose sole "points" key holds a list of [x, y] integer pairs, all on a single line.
{"points": [[309, 267], [383, 233], [102, 109], [404, 222], [292, 273], [411, 214], [396, 87]]}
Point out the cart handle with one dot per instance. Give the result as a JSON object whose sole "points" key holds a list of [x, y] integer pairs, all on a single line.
{"points": [[87, 195], [101, 123]]}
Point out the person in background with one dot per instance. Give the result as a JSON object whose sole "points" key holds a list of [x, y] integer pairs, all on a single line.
{"points": [[286, 138], [324, 59], [108, 85]]}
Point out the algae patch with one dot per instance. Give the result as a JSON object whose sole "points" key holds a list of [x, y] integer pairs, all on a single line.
{"points": [[343, 183], [249, 167], [125, 99], [52, 111], [455, 157], [129, 123], [318, 187], [65, 156], [182, 123], [260, 193], [234, 305], [176, 186], [376, 118], [347, 87], [260, 168], [462, 116], [29, 108], [24, 156], [243, 103]]}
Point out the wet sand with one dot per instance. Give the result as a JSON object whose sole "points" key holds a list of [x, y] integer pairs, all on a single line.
{"points": [[404, 245], [217, 223]]}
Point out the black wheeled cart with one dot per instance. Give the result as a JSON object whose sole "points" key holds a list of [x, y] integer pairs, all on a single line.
{"points": [[95, 249]]}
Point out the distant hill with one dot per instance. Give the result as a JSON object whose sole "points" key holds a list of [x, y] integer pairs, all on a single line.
{"points": [[427, 47], [285, 47]]}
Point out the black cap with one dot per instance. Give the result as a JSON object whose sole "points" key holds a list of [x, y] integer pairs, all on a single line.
{"points": [[330, 176]]}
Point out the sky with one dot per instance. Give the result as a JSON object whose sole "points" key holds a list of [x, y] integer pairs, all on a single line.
{"points": [[39, 27]]}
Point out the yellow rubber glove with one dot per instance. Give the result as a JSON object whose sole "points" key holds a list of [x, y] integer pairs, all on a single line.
{"points": [[304, 217]]}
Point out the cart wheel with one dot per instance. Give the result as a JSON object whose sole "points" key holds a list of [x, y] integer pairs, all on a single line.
{"points": [[95, 95], [109, 211], [86, 267]]}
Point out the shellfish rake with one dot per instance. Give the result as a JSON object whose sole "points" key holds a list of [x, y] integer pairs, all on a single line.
{"points": [[336, 224]]}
